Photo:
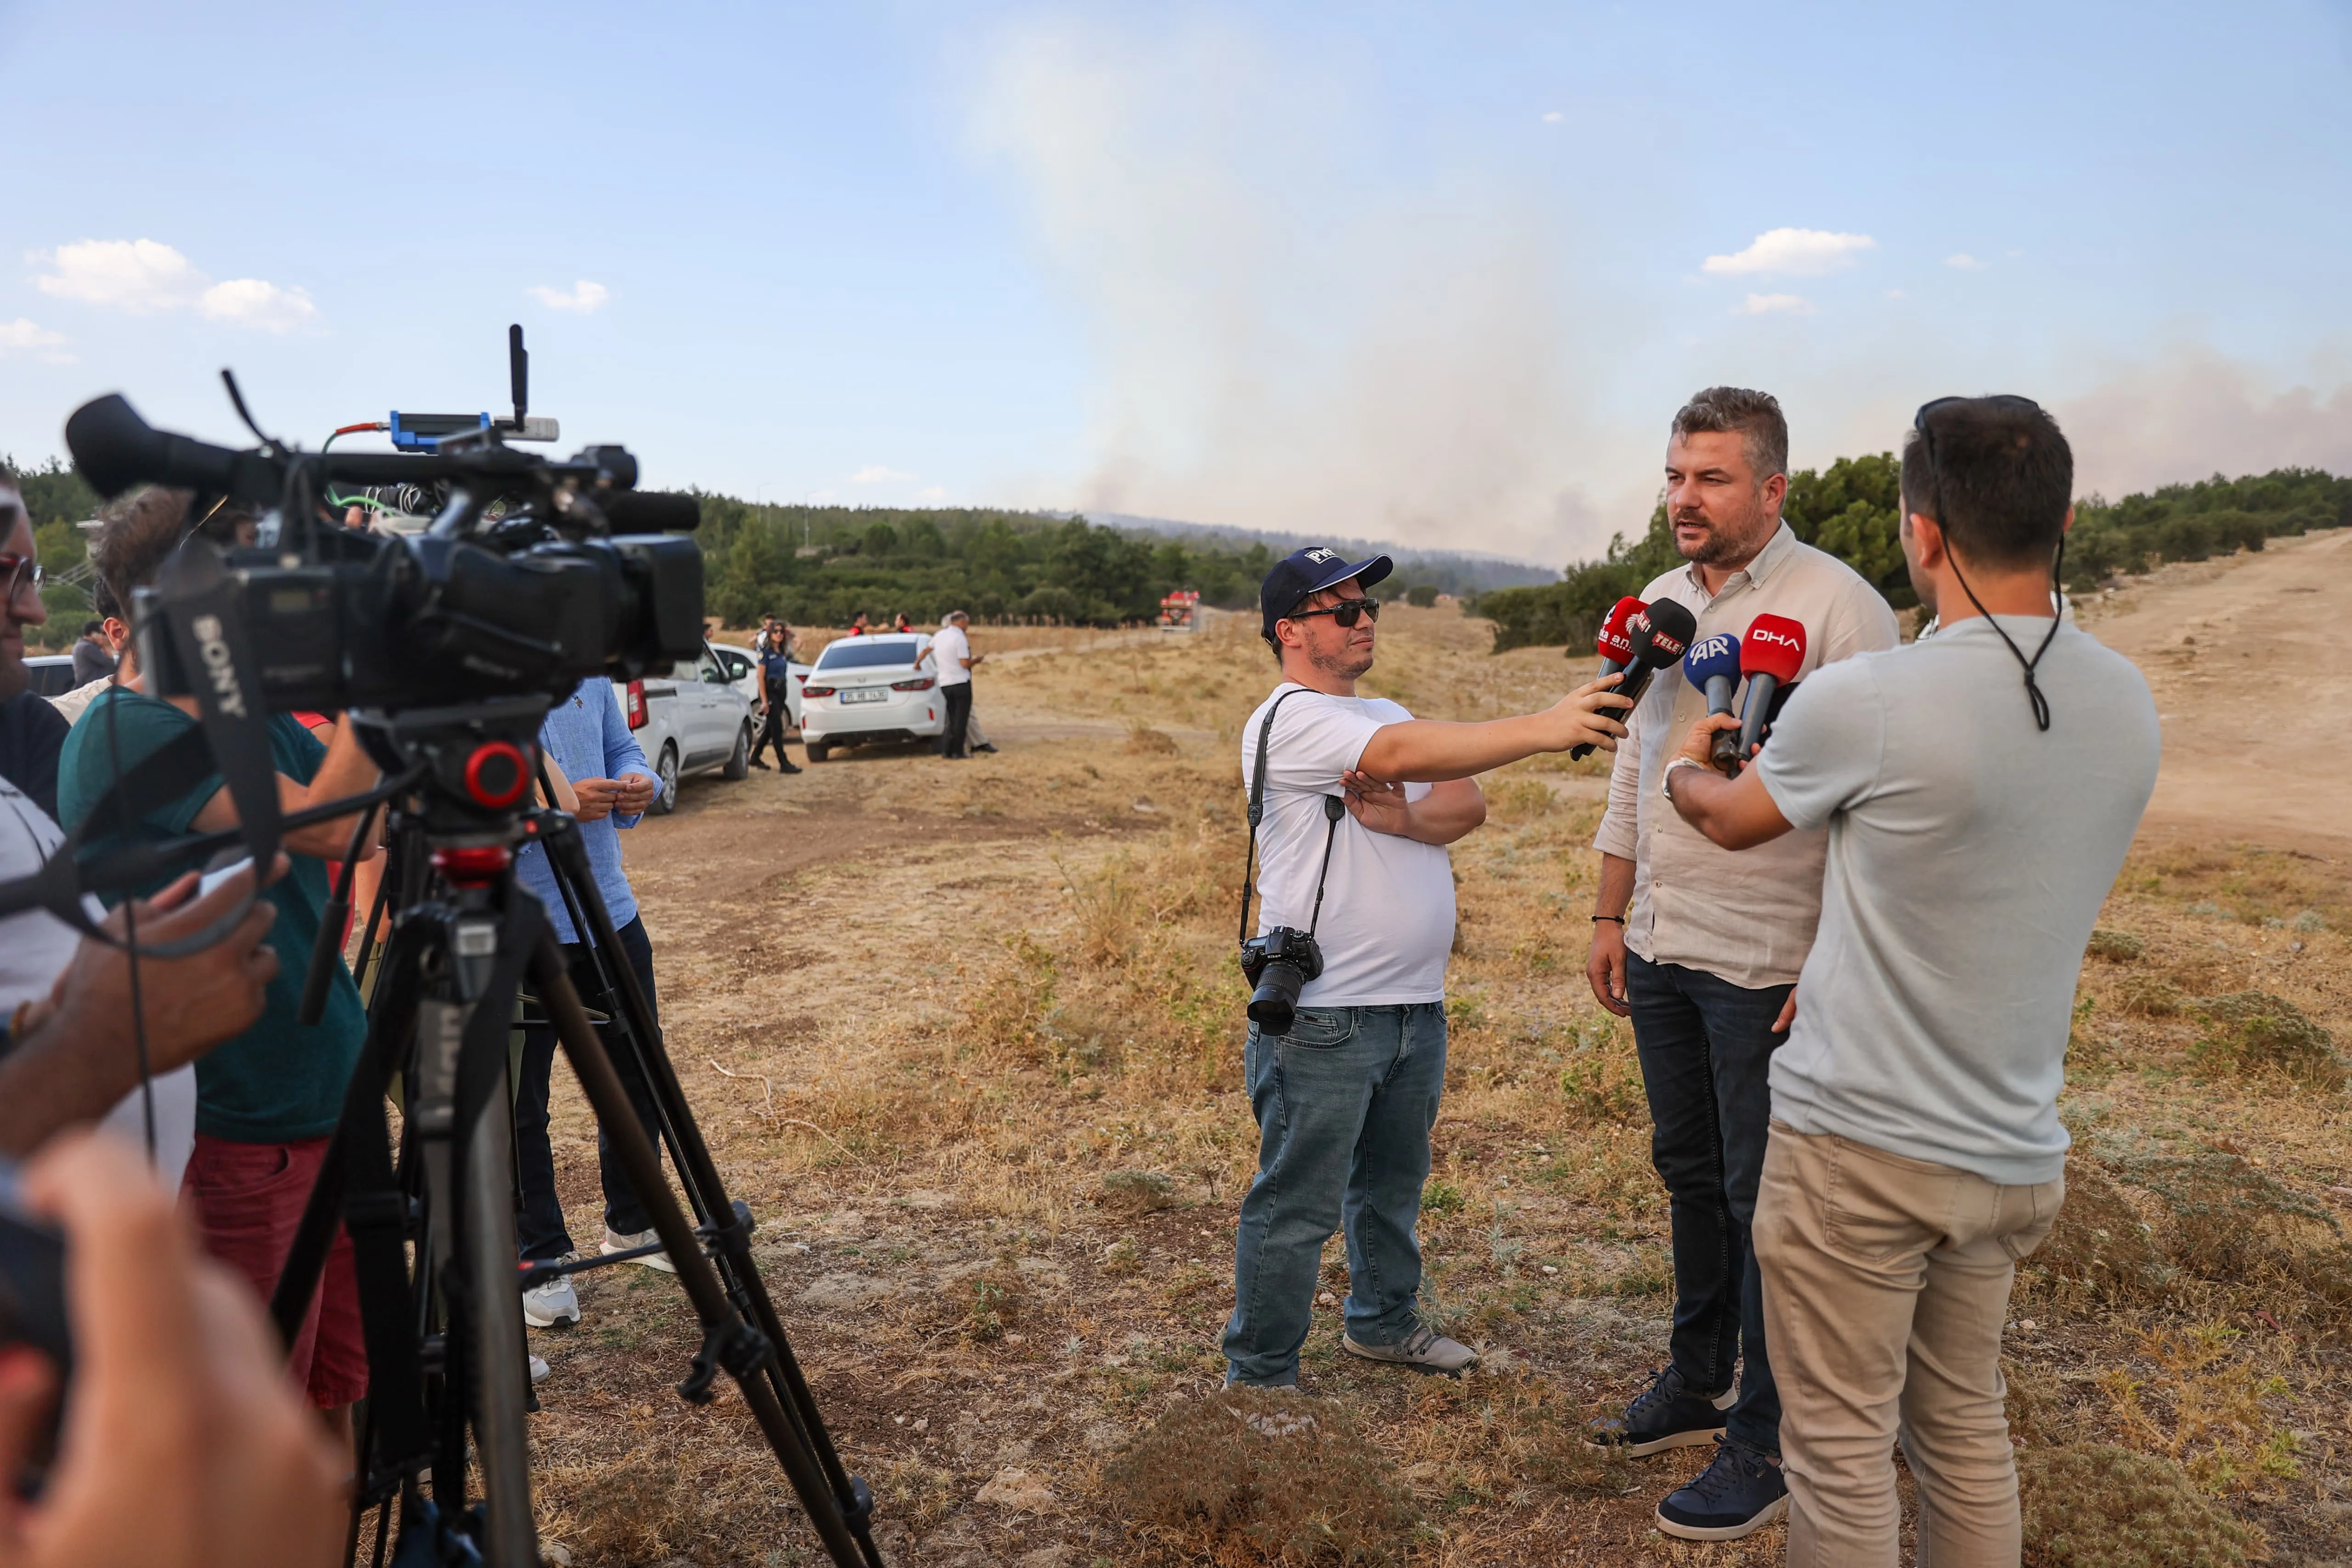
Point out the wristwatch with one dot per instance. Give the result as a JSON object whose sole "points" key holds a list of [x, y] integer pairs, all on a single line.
{"points": [[1666, 775]]}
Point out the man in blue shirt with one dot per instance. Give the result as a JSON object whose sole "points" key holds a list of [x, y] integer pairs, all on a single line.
{"points": [[587, 739]]}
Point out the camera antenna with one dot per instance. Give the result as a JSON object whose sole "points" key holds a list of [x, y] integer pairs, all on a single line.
{"points": [[236, 400], [519, 371]]}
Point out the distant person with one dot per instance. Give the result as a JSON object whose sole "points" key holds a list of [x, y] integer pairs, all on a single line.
{"points": [[1976, 823], [92, 659], [32, 732], [113, 636], [903, 625], [857, 626], [775, 694], [952, 650]]}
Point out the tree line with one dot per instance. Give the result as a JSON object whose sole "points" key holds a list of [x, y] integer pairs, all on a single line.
{"points": [[1850, 509]]}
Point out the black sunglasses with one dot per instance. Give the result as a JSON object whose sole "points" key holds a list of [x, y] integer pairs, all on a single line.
{"points": [[1344, 614], [1927, 432]]}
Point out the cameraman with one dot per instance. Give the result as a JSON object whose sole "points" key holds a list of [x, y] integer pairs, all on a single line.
{"points": [[1345, 1100], [1916, 1151], [267, 1100]]}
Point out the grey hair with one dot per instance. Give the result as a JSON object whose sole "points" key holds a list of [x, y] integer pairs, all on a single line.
{"points": [[953, 616], [1763, 429]]}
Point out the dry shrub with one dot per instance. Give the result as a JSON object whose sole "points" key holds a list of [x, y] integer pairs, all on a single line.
{"points": [[1256, 1476], [2149, 996], [1603, 1078], [1137, 1192], [1517, 800], [634, 1513], [2116, 946], [2093, 1505], [1143, 741], [2100, 1252], [2036, 1406], [1492, 1436], [2228, 1220], [2203, 1407], [2252, 1034]]}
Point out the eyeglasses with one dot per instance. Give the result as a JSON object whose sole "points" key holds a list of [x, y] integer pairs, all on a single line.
{"points": [[1926, 433], [1345, 614], [18, 570]]}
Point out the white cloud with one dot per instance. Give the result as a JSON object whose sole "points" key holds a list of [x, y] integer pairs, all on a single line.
{"points": [[932, 492], [252, 303], [145, 276], [21, 336], [582, 299], [1799, 252], [1965, 262], [137, 275], [876, 474], [1776, 305], [1896, 294], [1552, 117]]}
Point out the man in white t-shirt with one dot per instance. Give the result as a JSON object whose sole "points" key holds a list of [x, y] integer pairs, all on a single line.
{"points": [[952, 650], [1345, 1098], [1975, 828]]}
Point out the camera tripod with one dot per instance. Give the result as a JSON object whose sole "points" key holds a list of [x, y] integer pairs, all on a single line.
{"points": [[433, 1233]]}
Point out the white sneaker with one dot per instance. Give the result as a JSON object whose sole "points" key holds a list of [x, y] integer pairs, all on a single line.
{"points": [[540, 1372], [552, 1304], [616, 1242]]}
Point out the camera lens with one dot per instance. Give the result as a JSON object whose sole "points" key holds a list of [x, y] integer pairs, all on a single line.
{"points": [[1274, 1004]]}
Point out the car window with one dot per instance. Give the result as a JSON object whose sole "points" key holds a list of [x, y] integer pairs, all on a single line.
{"points": [[737, 665], [709, 668], [868, 653]]}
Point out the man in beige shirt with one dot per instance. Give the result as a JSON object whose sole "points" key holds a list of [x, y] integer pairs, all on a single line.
{"points": [[1701, 947]]}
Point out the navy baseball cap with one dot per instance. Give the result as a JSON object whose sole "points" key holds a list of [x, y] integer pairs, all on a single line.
{"points": [[1311, 571]]}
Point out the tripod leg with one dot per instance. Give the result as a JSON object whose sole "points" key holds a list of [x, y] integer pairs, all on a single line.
{"points": [[743, 1350], [501, 1374]]}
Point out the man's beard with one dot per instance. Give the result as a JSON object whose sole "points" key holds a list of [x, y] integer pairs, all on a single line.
{"points": [[1719, 545], [1346, 664]]}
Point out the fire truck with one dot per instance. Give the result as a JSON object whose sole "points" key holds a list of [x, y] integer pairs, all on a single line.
{"points": [[1177, 611]]}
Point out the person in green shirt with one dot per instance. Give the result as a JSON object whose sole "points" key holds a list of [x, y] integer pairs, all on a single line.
{"points": [[268, 1100]]}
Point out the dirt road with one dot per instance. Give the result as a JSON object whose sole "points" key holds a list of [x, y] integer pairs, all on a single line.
{"points": [[2254, 678]]}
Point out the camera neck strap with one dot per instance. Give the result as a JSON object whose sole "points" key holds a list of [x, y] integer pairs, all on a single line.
{"points": [[1333, 809]]}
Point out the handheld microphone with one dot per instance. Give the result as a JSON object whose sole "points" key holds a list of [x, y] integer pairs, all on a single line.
{"points": [[1771, 655], [1615, 647], [1713, 665], [1660, 635]]}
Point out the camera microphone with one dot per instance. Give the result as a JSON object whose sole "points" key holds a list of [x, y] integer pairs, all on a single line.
{"points": [[1659, 635], [1615, 647], [1713, 665], [1771, 655]]}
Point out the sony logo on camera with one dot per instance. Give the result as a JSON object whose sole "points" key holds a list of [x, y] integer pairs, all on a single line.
{"points": [[220, 665]]}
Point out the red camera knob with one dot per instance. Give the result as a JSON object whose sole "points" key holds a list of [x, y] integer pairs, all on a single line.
{"points": [[497, 774]]}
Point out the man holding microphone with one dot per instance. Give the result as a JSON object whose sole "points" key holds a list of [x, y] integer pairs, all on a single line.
{"points": [[1701, 947]]}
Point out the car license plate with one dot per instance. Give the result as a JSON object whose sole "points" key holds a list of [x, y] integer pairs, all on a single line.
{"points": [[866, 694]]}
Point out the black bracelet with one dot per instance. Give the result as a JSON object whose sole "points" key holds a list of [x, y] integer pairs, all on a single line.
{"points": [[1618, 919]]}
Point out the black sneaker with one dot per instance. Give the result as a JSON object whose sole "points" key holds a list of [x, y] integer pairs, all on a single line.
{"points": [[788, 767], [985, 746], [758, 765], [1662, 1417], [1738, 1494]]}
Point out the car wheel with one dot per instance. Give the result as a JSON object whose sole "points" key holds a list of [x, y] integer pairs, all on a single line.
{"points": [[817, 750], [739, 763], [666, 784]]}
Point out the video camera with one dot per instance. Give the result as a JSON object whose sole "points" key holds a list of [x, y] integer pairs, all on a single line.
{"points": [[534, 575]]}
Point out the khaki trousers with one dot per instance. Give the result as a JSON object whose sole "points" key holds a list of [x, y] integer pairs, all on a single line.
{"points": [[1887, 1281]]}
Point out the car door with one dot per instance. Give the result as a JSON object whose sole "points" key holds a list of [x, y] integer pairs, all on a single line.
{"points": [[712, 736]]}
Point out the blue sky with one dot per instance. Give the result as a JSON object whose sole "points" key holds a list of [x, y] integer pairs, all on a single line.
{"points": [[1433, 274]]}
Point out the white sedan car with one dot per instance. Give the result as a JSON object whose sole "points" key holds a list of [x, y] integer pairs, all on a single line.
{"points": [[865, 690]]}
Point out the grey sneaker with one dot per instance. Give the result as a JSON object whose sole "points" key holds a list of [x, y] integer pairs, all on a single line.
{"points": [[1423, 1350], [616, 1242], [552, 1304], [540, 1372]]}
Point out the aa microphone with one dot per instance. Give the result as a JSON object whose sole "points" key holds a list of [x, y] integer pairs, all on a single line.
{"points": [[1713, 665], [1660, 635], [1770, 657], [1614, 645]]}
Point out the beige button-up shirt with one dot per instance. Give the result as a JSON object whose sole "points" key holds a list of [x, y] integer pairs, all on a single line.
{"points": [[1745, 916]]}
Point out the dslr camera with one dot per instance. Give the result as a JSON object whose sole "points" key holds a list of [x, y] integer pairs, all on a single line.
{"points": [[1278, 964]]}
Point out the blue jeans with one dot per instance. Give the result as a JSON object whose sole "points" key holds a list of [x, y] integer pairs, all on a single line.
{"points": [[1706, 1046], [1344, 1105]]}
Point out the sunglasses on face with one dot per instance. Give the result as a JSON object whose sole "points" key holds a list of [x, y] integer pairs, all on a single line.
{"points": [[1345, 614], [18, 571]]}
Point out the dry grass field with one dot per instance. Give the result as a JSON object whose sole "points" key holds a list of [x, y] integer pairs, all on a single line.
{"points": [[964, 1035]]}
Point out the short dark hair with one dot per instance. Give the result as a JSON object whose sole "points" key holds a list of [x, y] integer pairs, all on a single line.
{"points": [[92, 628], [2003, 474], [138, 531], [1763, 429]]}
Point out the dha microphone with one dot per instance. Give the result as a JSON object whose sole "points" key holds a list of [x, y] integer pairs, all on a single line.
{"points": [[1713, 665], [1770, 657], [1660, 635], [1614, 645]]}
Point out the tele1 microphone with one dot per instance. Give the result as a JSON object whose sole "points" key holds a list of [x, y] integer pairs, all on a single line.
{"points": [[1660, 635], [1770, 657], [1713, 665], [1614, 645]]}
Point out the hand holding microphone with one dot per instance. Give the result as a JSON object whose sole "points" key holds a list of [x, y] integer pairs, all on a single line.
{"points": [[1771, 655], [1657, 636], [1713, 665]]}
